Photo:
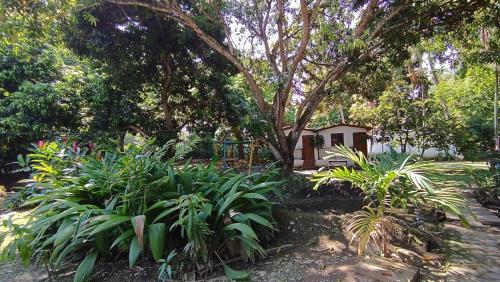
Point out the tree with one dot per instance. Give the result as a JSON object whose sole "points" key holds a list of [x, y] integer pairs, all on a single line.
{"points": [[469, 107], [160, 71], [44, 87], [305, 48]]}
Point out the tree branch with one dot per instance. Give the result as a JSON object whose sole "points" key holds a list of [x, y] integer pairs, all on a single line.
{"points": [[172, 10]]}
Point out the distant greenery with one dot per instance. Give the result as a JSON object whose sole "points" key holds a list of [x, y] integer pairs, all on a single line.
{"points": [[100, 204]]}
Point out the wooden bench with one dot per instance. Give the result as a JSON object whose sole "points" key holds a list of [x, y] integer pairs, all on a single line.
{"points": [[336, 163]]}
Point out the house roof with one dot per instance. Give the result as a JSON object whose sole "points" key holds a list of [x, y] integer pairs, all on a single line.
{"points": [[308, 129], [344, 124], [333, 126]]}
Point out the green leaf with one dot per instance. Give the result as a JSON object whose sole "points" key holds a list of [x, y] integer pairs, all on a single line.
{"points": [[236, 274], [157, 239], [166, 212], [232, 181], [134, 252], [65, 234], [254, 196], [84, 271], [259, 219], [246, 231], [112, 222], [123, 236], [228, 201]]}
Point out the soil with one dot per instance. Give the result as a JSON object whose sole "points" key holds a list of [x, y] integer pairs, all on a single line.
{"points": [[313, 225]]}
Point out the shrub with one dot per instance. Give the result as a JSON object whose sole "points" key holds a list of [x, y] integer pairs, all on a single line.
{"points": [[131, 202], [390, 181], [485, 184]]}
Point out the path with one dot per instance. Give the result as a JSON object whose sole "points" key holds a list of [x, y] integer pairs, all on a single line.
{"points": [[472, 254]]}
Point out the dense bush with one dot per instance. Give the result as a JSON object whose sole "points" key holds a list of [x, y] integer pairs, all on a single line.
{"points": [[102, 204], [391, 183]]}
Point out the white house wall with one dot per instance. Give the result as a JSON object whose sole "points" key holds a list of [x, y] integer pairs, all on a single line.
{"points": [[326, 133], [378, 148], [346, 130]]}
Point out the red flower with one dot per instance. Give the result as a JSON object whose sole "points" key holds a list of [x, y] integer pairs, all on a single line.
{"points": [[75, 146]]}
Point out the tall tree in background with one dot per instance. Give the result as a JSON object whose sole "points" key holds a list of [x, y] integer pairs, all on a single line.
{"points": [[44, 87], [306, 46], [159, 68]]}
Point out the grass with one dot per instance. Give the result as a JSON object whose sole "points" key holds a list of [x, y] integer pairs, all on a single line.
{"points": [[453, 174]]}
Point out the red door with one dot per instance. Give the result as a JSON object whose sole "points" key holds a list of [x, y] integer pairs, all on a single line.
{"points": [[360, 142], [308, 151]]}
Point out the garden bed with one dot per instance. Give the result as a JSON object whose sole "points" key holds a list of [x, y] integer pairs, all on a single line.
{"points": [[311, 228]]}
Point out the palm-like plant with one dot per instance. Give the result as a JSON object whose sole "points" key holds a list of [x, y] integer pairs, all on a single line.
{"points": [[390, 181]]}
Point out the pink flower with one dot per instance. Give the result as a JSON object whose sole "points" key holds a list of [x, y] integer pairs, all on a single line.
{"points": [[90, 145], [75, 146], [40, 143]]}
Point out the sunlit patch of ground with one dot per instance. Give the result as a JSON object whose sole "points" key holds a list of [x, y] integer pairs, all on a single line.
{"points": [[17, 217]]}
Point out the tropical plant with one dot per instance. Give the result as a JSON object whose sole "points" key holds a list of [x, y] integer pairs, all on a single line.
{"points": [[114, 202], [392, 181]]}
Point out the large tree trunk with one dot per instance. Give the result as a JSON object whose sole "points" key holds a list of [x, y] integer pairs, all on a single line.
{"points": [[166, 92], [283, 150]]}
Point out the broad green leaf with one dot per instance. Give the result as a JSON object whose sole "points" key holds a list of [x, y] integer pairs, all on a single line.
{"points": [[245, 230], [112, 222], [228, 202], [84, 271], [254, 196], [65, 234], [236, 274], [134, 252], [259, 219], [157, 239], [229, 184]]}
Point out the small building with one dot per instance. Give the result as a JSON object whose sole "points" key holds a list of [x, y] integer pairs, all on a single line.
{"points": [[314, 145]]}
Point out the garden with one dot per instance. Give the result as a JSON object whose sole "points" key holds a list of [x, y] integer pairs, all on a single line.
{"points": [[249, 140]]}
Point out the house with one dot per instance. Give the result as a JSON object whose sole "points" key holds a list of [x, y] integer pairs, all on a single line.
{"points": [[314, 145], [379, 147]]}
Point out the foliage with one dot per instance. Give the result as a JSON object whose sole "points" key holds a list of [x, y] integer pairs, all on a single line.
{"points": [[468, 107], [485, 184], [391, 182], [295, 183], [330, 39], [42, 89], [106, 203]]}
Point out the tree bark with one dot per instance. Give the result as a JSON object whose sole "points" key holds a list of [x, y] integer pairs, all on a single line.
{"points": [[341, 112], [166, 92], [435, 78]]}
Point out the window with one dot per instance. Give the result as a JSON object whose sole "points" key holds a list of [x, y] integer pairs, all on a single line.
{"points": [[337, 139]]}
